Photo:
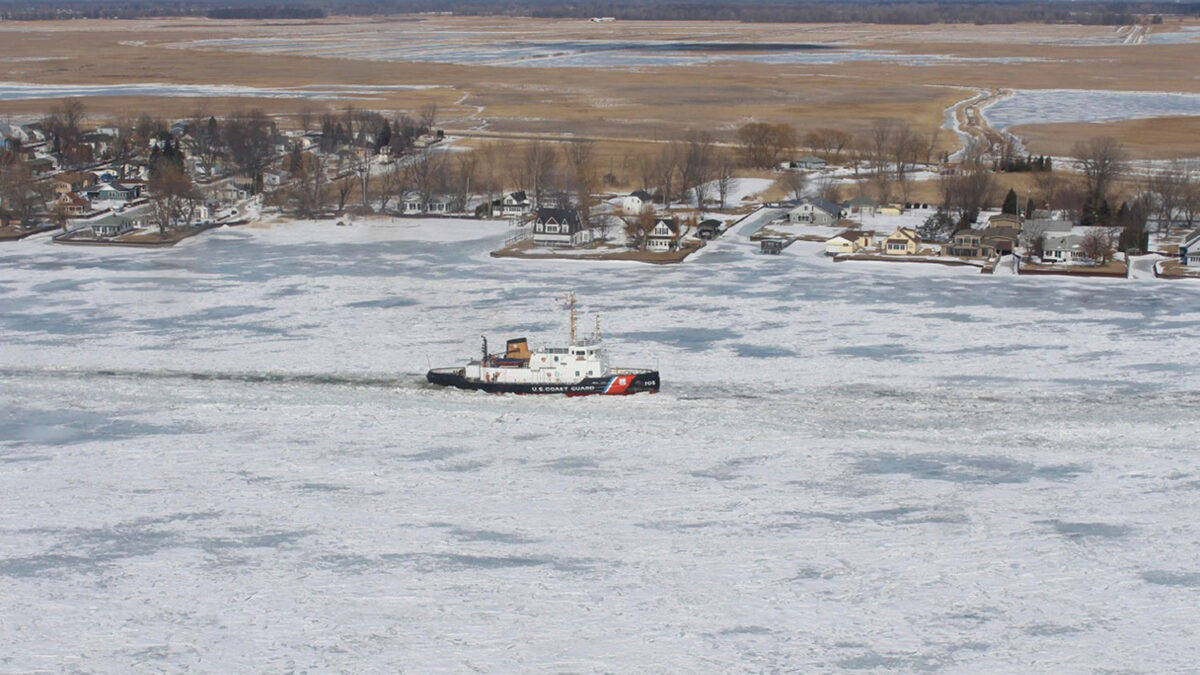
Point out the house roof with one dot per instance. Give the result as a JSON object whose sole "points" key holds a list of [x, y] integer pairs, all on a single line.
{"points": [[1001, 232], [862, 200], [671, 223], [1191, 239], [73, 199], [1047, 225], [826, 206], [711, 222], [1062, 240], [1005, 217], [642, 195], [568, 216], [518, 196], [853, 235], [810, 159], [903, 234]]}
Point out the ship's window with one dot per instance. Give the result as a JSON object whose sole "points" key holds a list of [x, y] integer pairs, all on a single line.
{"points": [[577, 373], [556, 359]]}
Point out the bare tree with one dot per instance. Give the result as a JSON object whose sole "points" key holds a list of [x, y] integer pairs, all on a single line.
{"points": [[638, 226], [1191, 198], [307, 112], [306, 191], [906, 149], [1101, 160], [65, 123], [466, 165], [724, 171], [796, 182], [534, 170], [362, 167], [428, 117], [764, 144], [389, 184], [697, 163], [1033, 238], [171, 195], [342, 189], [21, 193], [968, 191], [1170, 188], [204, 140], [579, 160], [1099, 245], [828, 142], [425, 173], [248, 136], [667, 168], [488, 173], [829, 190]]}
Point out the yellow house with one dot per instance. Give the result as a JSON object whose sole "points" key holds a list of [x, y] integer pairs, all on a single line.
{"points": [[850, 241], [901, 242]]}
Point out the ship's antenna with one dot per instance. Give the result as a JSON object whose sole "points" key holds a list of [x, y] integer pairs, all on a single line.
{"points": [[597, 328]]}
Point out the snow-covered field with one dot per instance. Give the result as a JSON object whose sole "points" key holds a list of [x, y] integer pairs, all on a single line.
{"points": [[222, 458], [1053, 106]]}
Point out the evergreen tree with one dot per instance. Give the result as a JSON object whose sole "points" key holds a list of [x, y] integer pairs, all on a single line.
{"points": [[384, 137], [1010, 202], [1029, 208]]}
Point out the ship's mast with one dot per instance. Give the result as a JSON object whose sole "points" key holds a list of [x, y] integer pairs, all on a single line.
{"points": [[571, 306]]}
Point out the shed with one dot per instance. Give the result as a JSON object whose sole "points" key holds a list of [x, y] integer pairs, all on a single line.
{"points": [[772, 246]]}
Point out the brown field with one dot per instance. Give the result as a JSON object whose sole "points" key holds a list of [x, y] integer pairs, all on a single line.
{"points": [[1156, 138], [645, 103]]}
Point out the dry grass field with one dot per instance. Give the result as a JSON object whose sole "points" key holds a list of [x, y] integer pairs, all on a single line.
{"points": [[903, 72]]}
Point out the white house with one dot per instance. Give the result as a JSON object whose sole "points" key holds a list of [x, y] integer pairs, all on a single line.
{"points": [[1189, 250], [806, 163], [861, 206], [274, 179], [513, 204], [1062, 246], [560, 228], [664, 236], [413, 204], [813, 211], [635, 201]]}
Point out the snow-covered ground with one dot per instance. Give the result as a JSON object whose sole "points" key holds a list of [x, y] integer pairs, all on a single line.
{"points": [[222, 457]]}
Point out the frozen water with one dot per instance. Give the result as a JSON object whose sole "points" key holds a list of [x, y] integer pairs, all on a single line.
{"points": [[223, 457], [1053, 106], [503, 50], [16, 91]]}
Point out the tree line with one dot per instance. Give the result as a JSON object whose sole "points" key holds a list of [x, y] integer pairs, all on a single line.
{"points": [[754, 11]]}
